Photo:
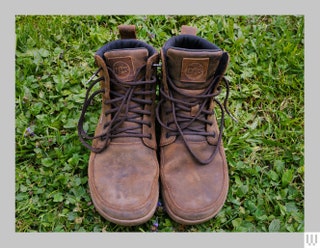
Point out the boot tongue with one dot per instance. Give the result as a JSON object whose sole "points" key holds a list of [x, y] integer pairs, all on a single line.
{"points": [[126, 63], [192, 69]]}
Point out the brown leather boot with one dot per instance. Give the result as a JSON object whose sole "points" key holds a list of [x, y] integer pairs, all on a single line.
{"points": [[193, 166], [123, 168]]}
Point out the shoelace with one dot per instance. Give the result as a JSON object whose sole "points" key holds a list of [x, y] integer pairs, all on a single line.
{"points": [[183, 123], [126, 101]]}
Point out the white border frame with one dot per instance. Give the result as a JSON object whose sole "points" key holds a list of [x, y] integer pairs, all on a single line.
{"points": [[94, 7]]}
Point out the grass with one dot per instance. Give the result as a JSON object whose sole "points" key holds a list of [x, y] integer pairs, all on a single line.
{"points": [[265, 150]]}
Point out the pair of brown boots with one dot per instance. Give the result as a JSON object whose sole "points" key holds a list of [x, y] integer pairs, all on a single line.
{"points": [[124, 172]]}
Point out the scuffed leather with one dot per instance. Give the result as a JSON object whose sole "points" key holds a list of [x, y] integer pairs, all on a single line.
{"points": [[192, 193], [123, 182], [124, 178]]}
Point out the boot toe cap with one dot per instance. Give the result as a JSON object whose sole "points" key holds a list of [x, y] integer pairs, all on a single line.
{"points": [[194, 193], [124, 185]]}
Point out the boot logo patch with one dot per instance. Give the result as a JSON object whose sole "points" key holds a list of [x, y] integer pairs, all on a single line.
{"points": [[194, 69], [123, 68]]}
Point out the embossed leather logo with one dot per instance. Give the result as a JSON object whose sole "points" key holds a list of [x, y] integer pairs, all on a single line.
{"points": [[123, 68], [194, 69]]}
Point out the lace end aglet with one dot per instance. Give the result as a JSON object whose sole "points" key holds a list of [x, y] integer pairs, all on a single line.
{"points": [[234, 119], [231, 115], [93, 76]]}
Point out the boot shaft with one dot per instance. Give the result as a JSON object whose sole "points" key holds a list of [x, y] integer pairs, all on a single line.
{"points": [[128, 81], [193, 69]]}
